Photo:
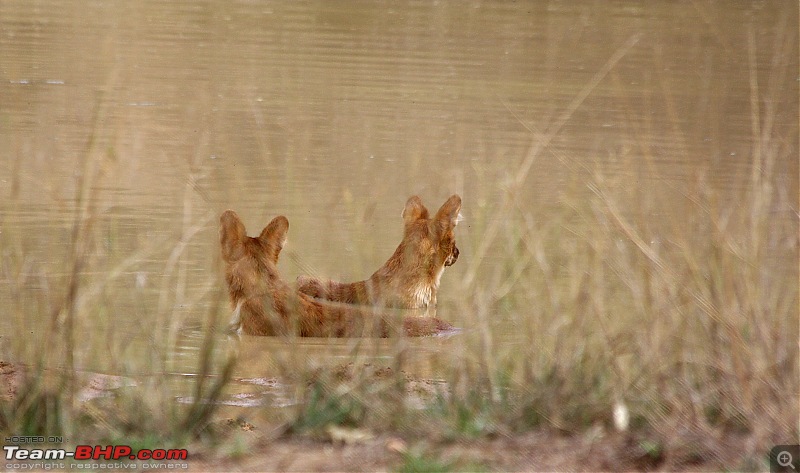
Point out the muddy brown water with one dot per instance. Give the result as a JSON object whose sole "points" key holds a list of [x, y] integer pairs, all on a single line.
{"points": [[333, 114]]}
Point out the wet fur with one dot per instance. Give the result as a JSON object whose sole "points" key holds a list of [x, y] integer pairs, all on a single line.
{"points": [[263, 304], [410, 278]]}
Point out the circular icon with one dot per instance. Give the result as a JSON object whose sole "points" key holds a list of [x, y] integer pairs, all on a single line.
{"points": [[784, 459]]}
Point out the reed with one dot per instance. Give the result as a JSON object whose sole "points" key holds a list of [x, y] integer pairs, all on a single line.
{"points": [[583, 316], [680, 329], [81, 354]]}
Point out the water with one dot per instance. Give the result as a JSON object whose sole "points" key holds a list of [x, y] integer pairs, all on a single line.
{"points": [[333, 114]]}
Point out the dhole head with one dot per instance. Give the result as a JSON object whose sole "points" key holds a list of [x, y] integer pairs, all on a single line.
{"points": [[423, 236], [250, 262]]}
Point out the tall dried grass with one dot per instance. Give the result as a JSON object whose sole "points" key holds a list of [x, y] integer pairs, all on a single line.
{"points": [[66, 337], [684, 321]]}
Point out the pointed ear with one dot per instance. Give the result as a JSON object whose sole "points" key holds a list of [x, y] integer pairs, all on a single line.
{"points": [[414, 210], [273, 237], [449, 214], [231, 236]]}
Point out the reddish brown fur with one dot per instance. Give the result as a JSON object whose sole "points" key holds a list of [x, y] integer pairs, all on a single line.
{"points": [[410, 278], [265, 305]]}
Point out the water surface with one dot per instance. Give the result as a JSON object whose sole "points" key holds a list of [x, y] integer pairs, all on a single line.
{"points": [[334, 113]]}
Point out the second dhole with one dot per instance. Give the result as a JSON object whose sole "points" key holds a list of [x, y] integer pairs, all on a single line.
{"points": [[410, 278]]}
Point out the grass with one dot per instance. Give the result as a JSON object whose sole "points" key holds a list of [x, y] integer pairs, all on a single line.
{"points": [[322, 409], [419, 463], [687, 321], [68, 310], [688, 324]]}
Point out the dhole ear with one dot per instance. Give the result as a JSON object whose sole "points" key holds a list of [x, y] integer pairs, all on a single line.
{"points": [[273, 236], [449, 214], [414, 210], [231, 235]]}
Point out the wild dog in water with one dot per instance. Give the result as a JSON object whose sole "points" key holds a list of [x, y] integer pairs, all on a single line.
{"points": [[265, 305], [410, 278]]}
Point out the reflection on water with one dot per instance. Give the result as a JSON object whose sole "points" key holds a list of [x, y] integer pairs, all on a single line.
{"points": [[253, 392], [267, 366], [334, 114]]}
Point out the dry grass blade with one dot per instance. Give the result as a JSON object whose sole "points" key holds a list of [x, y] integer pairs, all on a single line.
{"points": [[539, 143]]}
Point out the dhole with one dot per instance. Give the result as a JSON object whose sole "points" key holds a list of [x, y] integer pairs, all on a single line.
{"points": [[410, 278], [265, 305]]}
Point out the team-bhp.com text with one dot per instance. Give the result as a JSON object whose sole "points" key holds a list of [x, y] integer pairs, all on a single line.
{"points": [[96, 452]]}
